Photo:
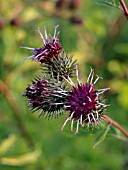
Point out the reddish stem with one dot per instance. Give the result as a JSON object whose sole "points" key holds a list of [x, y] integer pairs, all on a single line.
{"points": [[124, 7], [110, 121]]}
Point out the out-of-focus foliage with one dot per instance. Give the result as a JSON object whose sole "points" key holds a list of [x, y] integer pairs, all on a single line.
{"points": [[97, 37], [115, 3]]}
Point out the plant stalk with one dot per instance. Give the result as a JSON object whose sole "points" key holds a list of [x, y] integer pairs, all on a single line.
{"points": [[116, 125], [124, 8]]}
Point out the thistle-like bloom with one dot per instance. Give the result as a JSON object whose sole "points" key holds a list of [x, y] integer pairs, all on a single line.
{"points": [[47, 96], [50, 49], [51, 96], [83, 103], [36, 93]]}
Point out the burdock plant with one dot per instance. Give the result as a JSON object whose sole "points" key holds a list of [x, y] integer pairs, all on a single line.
{"points": [[50, 49], [47, 96], [53, 92], [83, 103]]}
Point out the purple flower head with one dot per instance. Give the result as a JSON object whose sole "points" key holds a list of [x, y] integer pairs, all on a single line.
{"points": [[36, 93], [83, 103], [50, 49], [46, 95]]}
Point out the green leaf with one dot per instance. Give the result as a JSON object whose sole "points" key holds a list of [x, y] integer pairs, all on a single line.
{"points": [[114, 3], [102, 136]]}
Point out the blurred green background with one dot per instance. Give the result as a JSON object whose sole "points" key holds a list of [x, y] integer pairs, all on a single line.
{"points": [[96, 36]]}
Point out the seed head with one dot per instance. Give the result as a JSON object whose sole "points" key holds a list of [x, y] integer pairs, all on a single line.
{"points": [[50, 49], [83, 103]]}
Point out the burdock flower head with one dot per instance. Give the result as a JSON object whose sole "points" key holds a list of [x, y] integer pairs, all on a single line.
{"points": [[50, 49], [61, 66], [36, 93], [51, 94], [47, 96], [84, 104]]}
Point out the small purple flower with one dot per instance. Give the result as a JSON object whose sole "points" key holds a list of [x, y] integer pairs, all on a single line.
{"points": [[50, 49], [83, 103]]}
